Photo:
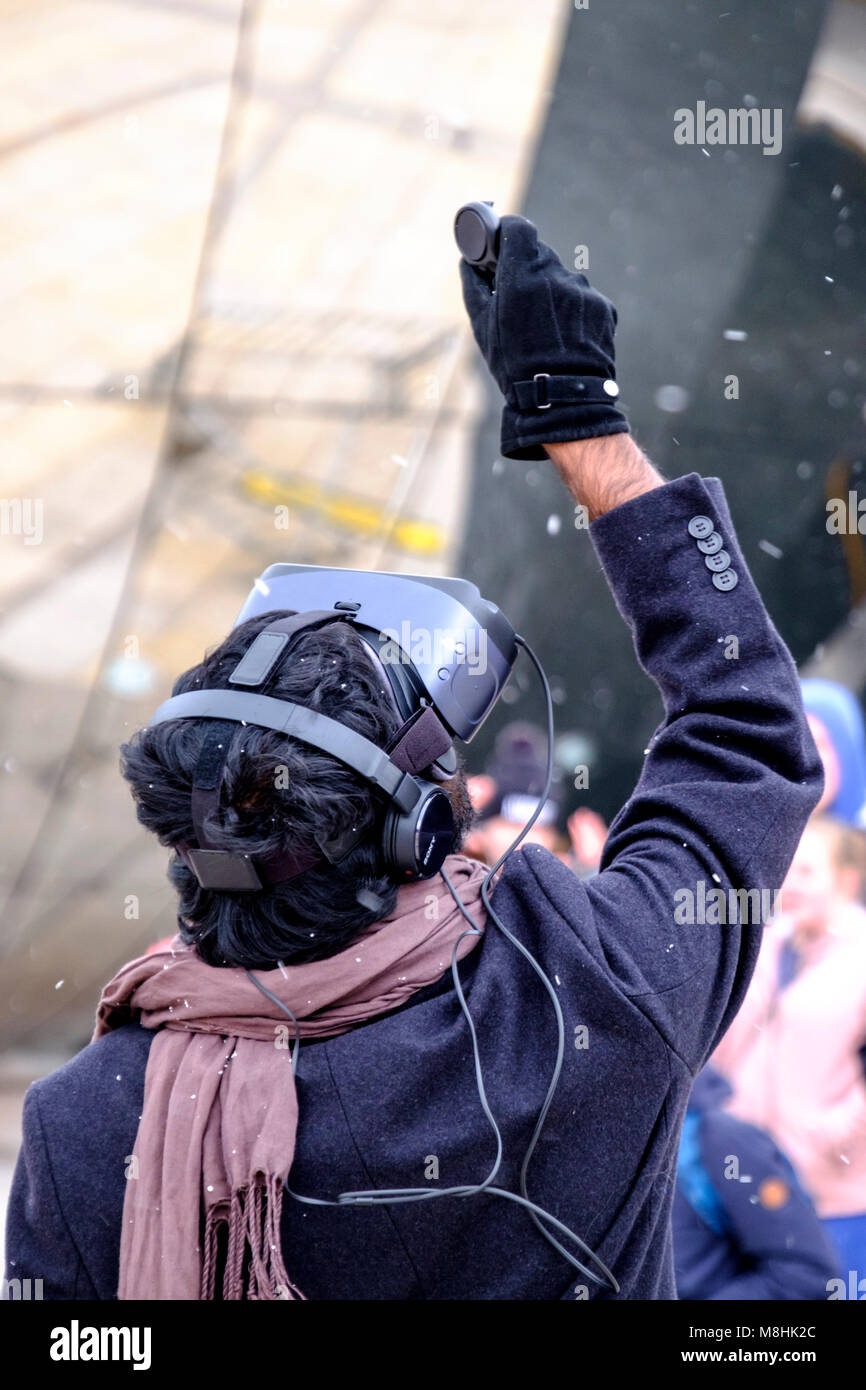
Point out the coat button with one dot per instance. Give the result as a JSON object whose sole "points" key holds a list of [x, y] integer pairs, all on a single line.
{"points": [[700, 527], [727, 579], [713, 543], [718, 562]]}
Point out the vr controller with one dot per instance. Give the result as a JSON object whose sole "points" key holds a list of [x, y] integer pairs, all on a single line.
{"points": [[476, 231]]}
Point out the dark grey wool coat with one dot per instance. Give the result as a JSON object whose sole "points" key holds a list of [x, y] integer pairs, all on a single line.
{"points": [[731, 776]]}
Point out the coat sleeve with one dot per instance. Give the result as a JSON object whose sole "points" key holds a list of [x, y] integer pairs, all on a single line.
{"points": [[39, 1245], [779, 1239], [731, 774]]}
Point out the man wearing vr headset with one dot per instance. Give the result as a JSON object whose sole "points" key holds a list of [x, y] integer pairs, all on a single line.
{"points": [[365, 1068]]}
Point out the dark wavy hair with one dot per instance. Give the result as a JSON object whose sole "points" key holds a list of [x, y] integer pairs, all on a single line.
{"points": [[278, 793]]}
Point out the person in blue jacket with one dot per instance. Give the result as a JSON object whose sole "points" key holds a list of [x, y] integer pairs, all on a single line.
{"points": [[743, 1226], [729, 780], [836, 719]]}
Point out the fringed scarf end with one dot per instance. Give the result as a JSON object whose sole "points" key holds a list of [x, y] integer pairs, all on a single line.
{"points": [[253, 1247]]}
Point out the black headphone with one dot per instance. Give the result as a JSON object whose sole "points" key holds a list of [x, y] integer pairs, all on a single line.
{"points": [[417, 831]]}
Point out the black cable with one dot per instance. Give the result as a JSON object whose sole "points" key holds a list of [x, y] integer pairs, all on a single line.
{"points": [[611, 1282]]}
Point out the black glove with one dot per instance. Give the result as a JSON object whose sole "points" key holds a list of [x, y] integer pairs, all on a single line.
{"points": [[547, 337]]}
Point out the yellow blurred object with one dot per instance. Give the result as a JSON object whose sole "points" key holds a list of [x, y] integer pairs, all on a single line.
{"points": [[343, 509]]}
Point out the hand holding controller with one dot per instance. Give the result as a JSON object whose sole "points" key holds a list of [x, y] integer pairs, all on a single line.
{"points": [[546, 335]]}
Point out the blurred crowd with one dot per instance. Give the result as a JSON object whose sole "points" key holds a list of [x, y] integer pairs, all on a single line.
{"points": [[771, 1184]]}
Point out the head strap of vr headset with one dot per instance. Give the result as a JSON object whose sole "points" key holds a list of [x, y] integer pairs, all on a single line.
{"points": [[417, 744]]}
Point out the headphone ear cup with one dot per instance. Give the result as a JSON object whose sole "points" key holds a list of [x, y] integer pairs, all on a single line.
{"points": [[416, 843]]}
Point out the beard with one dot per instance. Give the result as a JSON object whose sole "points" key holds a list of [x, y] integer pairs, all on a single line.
{"points": [[464, 814]]}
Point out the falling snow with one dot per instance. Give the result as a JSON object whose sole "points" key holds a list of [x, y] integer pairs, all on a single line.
{"points": [[770, 549]]}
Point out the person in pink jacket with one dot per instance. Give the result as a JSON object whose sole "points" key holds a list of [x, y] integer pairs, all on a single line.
{"points": [[796, 1052]]}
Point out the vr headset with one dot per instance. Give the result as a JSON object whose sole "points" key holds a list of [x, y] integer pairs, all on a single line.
{"points": [[444, 654]]}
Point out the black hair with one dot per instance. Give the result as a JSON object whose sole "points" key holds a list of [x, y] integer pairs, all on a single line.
{"points": [[278, 793]]}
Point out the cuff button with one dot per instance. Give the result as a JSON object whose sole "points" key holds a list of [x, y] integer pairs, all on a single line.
{"points": [[718, 562], [713, 543], [726, 580], [700, 527]]}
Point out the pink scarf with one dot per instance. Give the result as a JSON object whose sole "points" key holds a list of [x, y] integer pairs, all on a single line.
{"points": [[216, 1138]]}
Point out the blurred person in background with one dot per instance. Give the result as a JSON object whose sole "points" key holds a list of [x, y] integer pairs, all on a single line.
{"points": [[743, 1226], [505, 795], [839, 730], [587, 832], [796, 1052]]}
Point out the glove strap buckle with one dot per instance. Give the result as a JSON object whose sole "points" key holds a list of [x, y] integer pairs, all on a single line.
{"points": [[542, 400]]}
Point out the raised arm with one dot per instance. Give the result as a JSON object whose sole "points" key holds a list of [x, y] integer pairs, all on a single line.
{"points": [[732, 773], [692, 861]]}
